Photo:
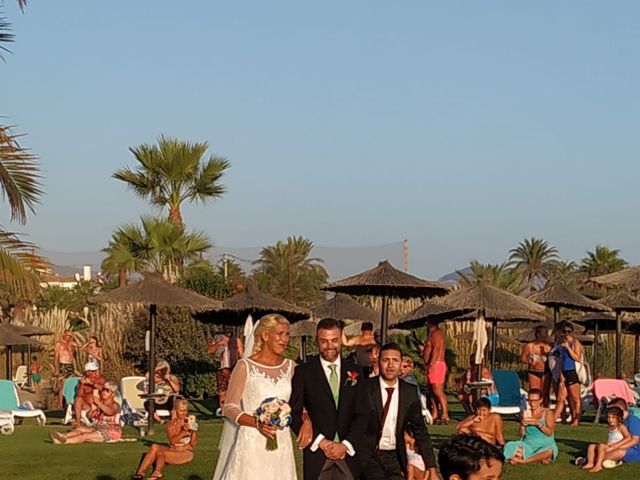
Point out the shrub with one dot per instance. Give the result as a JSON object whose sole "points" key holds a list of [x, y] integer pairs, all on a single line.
{"points": [[182, 341]]}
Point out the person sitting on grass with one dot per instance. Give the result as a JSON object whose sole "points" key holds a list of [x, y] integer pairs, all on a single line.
{"points": [[416, 469], [618, 433], [107, 422], [90, 385], [483, 423], [537, 443], [182, 432], [626, 450], [468, 457]]}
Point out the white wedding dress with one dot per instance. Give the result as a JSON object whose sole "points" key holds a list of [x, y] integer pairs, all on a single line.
{"points": [[243, 453]]}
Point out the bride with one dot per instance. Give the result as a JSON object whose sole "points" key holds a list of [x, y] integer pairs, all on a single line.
{"points": [[265, 373]]}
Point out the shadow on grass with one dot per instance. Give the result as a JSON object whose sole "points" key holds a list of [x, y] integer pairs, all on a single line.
{"points": [[574, 447], [105, 477]]}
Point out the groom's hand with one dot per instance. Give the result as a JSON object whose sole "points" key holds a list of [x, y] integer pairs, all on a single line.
{"points": [[332, 450]]}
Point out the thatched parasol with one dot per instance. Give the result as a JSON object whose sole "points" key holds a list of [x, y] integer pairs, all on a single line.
{"points": [[27, 331], [628, 278], [251, 301], [430, 311], [387, 282], [153, 291], [634, 329], [620, 301], [343, 307], [500, 338], [9, 338], [494, 304], [557, 295], [597, 322]]}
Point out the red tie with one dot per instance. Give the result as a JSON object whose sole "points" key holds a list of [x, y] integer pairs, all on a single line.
{"points": [[387, 404]]}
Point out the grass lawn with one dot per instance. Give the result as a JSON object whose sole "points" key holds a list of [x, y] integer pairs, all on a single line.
{"points": [[28, 454]]}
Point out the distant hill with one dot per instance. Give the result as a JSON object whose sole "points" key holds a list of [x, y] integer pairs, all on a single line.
{"points": [[453, 276]]}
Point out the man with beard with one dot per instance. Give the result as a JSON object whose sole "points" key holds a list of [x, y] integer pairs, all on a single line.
{"points": [[396, 410], [330, 390]]}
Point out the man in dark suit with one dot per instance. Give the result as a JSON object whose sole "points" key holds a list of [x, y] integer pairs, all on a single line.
{"points": [[331, 392], [396, 410]]}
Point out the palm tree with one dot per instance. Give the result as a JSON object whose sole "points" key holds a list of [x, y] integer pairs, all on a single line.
{"points": [[174, 171], [567, 272], [498, 275], [534, 259], [602, 261], [285, 270], [157, 244]]}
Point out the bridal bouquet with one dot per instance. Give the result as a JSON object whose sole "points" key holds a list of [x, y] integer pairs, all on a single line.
{"points": [[275, 412]]}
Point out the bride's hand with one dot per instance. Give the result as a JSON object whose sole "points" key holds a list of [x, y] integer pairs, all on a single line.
{"points": [[305, 435], [266, 430]]}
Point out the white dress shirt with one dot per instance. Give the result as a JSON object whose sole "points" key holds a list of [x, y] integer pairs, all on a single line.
{"points": [[388, 436], [327, 372]]}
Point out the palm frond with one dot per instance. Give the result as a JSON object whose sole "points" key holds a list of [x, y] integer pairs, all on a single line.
{"points": [[19, 264], [19, 175]]}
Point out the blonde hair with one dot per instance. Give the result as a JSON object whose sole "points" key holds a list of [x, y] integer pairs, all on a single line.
{"points": [[265, 324]]}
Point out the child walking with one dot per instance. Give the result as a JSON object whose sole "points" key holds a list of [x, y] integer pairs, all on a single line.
{"points": [[34, 370]]}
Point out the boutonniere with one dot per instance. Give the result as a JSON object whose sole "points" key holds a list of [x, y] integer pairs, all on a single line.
{"points": [[352, 378]]}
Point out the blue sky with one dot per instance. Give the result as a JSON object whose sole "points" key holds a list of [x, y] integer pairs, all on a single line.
{"points": [[464, 127]]}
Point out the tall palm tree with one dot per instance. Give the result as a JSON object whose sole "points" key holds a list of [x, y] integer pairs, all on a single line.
{"points": [[157, 244], [286, 271], [498, 275], [533, 258], [175, 171], [567, 272], [20, 185], [601, 261]]}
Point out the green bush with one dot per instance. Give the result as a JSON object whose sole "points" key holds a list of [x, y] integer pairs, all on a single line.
{"points": [[182, 341]]}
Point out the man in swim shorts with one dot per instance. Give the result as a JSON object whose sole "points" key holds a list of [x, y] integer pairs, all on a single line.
{"points": [[436, 371]]}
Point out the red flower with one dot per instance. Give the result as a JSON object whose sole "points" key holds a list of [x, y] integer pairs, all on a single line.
{"points": [[352, 377]]}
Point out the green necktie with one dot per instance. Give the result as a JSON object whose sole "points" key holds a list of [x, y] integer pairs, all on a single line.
{"points": [[335, 390], [334, 384]]}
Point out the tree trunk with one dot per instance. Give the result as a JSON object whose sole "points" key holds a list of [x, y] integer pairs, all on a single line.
{"points": [[175, 215], [122, 277]]}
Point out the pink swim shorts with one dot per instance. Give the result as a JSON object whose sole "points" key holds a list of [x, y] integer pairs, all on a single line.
{"points": [[438, 372]]}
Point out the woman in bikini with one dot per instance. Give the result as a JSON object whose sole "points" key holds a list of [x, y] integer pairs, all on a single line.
{"points": [[534, 355], [183, 438]]}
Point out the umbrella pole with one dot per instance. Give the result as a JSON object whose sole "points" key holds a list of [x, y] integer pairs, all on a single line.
{"points": [[494, 334], [636, 350], [556, 311], [596, 328], [152, 365], [9, 353], [384, 323], [28, 366], [618, 344], [303, 348]]}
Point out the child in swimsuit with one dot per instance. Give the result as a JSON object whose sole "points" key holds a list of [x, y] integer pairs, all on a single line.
{"points": [[416, 469], [616, 434]]}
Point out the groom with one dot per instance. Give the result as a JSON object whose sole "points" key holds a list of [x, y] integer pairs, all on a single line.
{"points": [[330, 390]]}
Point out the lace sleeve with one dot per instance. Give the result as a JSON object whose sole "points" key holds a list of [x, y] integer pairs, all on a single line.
{"points": [[233, 404]]}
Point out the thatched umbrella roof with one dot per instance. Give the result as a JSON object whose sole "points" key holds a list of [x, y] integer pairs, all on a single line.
{"points": [[606, 322], [251, 301], [557, 295], [500, 338], [627, 278], [621, 301], [154, 290], [430, 311], [585, 339], [26, 330], [304, 328], [343, 307], [9, 337], [495, 303], [386, 280]]}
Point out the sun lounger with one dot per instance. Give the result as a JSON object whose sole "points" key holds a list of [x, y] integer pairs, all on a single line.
{"points": [[21, 378], [511, 396], [69, 389], [10, 403]]}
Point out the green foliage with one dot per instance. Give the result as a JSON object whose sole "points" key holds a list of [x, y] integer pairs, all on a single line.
{"points": [[285, 270], [601, 261], [534, 259], [158, 245], [498, 275], [182, 341], [72, 299], [175, 171], [207, 281]]}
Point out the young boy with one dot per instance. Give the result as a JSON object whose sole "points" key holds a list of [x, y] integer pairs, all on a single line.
{"points": [[36, 378], [468, 457]]}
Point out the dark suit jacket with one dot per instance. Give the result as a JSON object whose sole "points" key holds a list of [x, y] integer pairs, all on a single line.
{"points": [[409, 417], [311, 391]]}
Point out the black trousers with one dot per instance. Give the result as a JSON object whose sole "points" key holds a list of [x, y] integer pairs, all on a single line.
{"points": [[384, 465]]}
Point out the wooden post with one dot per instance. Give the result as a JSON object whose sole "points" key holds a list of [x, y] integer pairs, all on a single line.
{"points": [[384, 321], [594, 370], [636, 352], [9, 366], [494, 335], [618, 344], [152, 364], [556, 312]]}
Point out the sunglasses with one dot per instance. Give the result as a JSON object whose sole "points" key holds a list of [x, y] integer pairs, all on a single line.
{"points": [[567, 331]]}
